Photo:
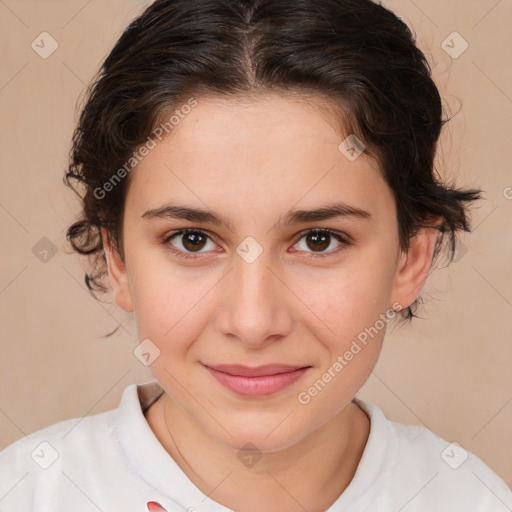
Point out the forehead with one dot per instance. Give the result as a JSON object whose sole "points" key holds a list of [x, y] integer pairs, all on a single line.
{"points": [[257, 122], [260, 154]]}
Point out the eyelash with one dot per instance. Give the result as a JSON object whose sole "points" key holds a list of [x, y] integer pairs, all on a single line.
{"points": [[345, 242]]}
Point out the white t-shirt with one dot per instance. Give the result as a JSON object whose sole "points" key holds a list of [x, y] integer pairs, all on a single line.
{"points": [[113, 462]]}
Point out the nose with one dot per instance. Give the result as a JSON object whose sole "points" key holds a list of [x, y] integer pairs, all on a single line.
{"points": [[255, 305]]}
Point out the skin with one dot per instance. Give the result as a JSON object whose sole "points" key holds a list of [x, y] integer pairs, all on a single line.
{"points": [[251, 160]]}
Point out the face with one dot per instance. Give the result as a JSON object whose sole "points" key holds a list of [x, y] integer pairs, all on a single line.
{"points": [[259, 280]]}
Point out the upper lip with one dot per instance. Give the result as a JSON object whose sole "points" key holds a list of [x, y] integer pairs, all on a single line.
{"points": [[258, 371]]}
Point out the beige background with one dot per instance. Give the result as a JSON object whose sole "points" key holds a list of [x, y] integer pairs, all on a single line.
{"points": [[450, 371]]}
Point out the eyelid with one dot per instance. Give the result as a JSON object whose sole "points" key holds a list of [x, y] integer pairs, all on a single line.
{"points": [[344, 236], [344, 239], [183, 231]]}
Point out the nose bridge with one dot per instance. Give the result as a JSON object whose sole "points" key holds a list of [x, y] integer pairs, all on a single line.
{"points": [[254, 310]]}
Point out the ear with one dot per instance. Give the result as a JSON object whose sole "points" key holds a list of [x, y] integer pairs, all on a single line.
{"points": [[414, 266], [117, 275]]}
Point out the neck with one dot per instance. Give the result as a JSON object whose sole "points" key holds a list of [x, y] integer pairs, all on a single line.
{"points": [[308, 475]]}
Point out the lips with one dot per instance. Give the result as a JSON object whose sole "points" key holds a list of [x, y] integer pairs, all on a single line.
{"points": [[259, 371], [256, 381]]}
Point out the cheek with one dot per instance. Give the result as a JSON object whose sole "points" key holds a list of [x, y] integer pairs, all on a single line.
{"points": [[352, 327], [169, 303], [348, 301], [173, 304]]}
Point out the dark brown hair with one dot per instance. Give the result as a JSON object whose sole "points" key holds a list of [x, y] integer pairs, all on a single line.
{"points": [[355, 52]]}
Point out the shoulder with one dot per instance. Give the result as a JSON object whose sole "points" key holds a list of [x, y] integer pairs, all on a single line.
{"points": [[35, 466], [47, 446], [86, 463], [424, 468]]}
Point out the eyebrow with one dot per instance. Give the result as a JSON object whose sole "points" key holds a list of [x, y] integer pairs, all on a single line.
{"points": [[171, 211]]}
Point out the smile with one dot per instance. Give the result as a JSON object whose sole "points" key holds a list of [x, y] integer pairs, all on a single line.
{"points": [[260, 381]]}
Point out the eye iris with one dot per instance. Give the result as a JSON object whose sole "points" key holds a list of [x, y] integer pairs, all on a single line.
{"points": [[320, 240], [195, 239], [317, 241]]}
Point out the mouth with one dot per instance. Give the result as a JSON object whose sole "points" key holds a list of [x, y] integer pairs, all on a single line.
{"points": [[256, 381]]}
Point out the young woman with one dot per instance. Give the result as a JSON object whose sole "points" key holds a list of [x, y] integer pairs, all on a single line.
{"points": [[258, 186]]}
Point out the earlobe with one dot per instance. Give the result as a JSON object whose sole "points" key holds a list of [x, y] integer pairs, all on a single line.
{"points": [[117, 275], [414, 266]]}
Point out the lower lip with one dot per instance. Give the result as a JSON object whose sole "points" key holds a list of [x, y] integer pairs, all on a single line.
{"points": [[257, 386]]}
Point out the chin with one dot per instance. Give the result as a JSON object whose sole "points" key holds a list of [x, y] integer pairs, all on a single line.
{"points": [[261, 440]]}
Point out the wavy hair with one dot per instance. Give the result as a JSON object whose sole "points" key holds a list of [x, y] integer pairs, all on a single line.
{"points": [[356, 53]]}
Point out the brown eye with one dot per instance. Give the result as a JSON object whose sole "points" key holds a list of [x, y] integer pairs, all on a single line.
{"points": [[193, 241], [319, 240], [188, 241]]}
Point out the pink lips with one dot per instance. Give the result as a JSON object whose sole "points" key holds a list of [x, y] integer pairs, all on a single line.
{"points": [[259, 381]]}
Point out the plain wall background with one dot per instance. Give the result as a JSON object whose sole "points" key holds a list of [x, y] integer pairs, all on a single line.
{"points": [[449, 371]]}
